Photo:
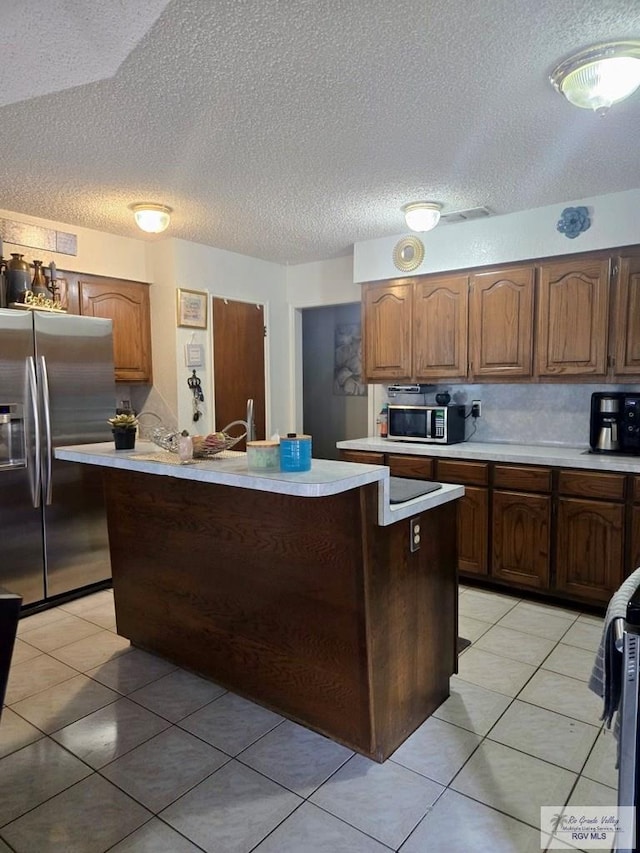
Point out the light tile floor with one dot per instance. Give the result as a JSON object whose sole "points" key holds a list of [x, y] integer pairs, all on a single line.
{"points": [[106, 747]]}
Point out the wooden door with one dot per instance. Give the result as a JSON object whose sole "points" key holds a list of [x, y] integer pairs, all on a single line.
{"points": [[386, 330], [440, 309], [473, 522], [238, 363], [501, 323], [627, 317], [521, 538], [127, 305], [589, 548], [573, 300]]}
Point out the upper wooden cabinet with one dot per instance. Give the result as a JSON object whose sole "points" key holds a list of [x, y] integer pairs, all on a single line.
{"points": [[440, 310], [127, 305], [626, 316], [501, 323], [541, 321], [415, 330], [573, 300], [387, 330]]}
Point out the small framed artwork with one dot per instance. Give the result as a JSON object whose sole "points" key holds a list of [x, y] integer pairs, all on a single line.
{"points": [[192, 308]]}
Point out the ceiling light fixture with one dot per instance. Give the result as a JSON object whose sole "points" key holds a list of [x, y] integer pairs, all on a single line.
{"points": [[599, 76], [152, 218], [422, 215]]}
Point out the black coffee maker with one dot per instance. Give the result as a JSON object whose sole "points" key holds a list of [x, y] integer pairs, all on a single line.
{"points": [[604, 433]]}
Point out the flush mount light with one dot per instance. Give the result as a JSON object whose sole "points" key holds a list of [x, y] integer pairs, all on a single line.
{"points": [[599, 76], [422, 215], [152, 218]]}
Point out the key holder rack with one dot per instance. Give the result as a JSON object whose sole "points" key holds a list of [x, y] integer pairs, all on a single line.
{"points": [[195, 386]]}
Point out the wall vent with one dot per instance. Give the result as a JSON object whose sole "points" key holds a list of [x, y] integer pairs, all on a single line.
{"points": [[466, 215]]}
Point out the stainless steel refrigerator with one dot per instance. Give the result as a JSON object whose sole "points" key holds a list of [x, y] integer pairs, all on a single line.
{"points": [[57, 387]]}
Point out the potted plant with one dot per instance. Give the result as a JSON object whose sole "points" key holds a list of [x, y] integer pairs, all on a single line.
{"points": [[123, 427]]}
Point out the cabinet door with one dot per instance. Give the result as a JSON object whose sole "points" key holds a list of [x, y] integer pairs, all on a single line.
{"points": [[501, 323], [627, 317], [440, 311], [573, 298], [473, 520], [386, 330], [127, 304], [521, 545], [589, 548]]}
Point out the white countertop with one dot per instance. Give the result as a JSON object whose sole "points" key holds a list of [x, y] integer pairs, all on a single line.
{"points": [[326, 477], [524, 454]]}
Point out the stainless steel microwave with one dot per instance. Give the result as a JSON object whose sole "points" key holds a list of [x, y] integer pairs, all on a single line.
{"points": [[434, 424]]}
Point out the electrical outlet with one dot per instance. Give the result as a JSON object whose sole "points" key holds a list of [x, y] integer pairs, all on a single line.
{"points": [[476, 408], [414, 534]]}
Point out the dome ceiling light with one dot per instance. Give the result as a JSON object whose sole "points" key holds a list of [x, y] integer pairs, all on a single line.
{"points": [[152, 218], [599, 76], [422, 215]]}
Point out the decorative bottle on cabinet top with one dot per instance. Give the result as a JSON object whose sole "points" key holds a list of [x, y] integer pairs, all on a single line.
{"points": [[39, 283], [18, 278]]}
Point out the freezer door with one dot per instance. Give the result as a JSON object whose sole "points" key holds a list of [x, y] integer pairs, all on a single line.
{"points": [[74, 357], [21, 536]]}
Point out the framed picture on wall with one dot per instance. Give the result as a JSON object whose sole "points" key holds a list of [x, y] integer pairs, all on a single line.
{"points": [[192, 308]]}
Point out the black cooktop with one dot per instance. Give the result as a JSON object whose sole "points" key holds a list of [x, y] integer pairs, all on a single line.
{"points": [[401, 489]]}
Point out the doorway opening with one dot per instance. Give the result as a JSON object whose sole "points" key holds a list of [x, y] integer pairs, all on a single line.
{"points": [[334, 397]]}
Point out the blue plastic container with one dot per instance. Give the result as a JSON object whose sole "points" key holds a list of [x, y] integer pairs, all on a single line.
{"points": [[295, 452]]}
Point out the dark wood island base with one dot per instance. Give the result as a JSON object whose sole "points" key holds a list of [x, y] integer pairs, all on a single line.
{"points": [[304, 605]]}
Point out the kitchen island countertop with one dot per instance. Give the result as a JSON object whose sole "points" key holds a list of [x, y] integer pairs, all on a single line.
{"points": [[326, 477], [523, 454]]}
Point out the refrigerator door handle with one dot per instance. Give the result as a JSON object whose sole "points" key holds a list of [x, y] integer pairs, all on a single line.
{"points": [[46, 406], [36, 481]]}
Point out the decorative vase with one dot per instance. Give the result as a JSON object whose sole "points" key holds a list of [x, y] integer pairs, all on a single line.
{"points": [[39, 282], [124, 438], [18, 278]]}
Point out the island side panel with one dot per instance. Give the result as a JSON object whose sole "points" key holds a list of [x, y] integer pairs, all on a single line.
{"points": [[261, 592], [412, 618]]}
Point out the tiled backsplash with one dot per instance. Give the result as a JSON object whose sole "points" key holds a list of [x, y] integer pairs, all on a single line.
{"points": [[524, 414]]}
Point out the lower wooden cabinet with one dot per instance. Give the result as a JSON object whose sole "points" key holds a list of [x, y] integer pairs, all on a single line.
{"points": [[473, 519], [572, 534], [589, 548], [521, 538]]}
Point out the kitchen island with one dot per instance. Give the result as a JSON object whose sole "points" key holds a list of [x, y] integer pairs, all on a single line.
{"points": [[298, 591]]}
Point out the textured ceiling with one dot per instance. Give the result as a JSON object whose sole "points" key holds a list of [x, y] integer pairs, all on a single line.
{"points": [[290, 129]]}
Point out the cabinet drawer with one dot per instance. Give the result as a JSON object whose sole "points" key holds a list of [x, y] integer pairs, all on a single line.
{"points": [[522, 478], [411, 466], [591, 484], [473, 473], [364, 457]]}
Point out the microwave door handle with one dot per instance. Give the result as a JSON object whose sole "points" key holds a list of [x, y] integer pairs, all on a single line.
{"points": [[44, 381], [34, 481], [430, 423]]}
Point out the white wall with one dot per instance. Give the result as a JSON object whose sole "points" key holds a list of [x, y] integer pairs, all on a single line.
{"points": [[227, 274], [501, 239], [98, 253]]}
